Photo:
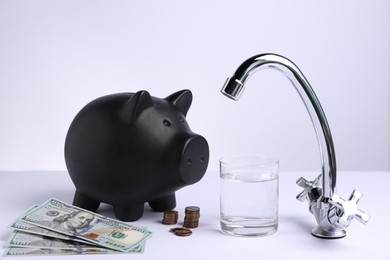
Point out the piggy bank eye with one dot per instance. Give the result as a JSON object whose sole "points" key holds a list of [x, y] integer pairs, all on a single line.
{"points": [[166, 122], [182, 119]]}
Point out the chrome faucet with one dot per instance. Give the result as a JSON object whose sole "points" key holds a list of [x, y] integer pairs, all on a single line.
{"points": [[333, 214]]}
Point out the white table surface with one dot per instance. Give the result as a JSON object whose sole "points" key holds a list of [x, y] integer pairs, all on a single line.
{"points": [[20, 190]]}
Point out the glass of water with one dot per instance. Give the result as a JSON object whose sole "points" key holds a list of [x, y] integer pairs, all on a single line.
{"points": [[249, 195]]}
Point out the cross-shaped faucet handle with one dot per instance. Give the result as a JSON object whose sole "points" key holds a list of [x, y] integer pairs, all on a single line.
{"points": [[307, 186], [349, 208]]}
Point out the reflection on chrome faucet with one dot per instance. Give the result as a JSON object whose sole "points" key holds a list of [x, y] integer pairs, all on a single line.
{"points": [[332, 213]]}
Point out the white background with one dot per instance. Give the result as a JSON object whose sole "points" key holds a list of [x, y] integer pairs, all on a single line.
{"points": [[56, 56]]}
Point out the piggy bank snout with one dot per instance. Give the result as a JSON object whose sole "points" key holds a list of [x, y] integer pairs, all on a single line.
{"points": [[194, 160]]}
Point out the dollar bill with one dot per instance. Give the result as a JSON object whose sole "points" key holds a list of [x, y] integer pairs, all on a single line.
{"points": [[72, 221], [57, 237], [29, 228], [22, 239], [36, 251]]}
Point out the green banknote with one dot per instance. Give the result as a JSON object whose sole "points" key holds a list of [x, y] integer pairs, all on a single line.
{"points": [[35, 251], [22, 239], [72, 221], [29, 228]]}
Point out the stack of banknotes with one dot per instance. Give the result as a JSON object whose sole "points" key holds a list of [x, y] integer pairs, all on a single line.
{"points": [[57, 228]]}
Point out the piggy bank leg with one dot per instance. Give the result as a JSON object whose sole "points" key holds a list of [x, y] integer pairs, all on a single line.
{"points": [[129, 213], [85, 202], [163, 203]]}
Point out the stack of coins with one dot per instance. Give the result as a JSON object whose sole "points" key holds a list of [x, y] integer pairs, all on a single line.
{"points": [[170, 217], [192, 215]]}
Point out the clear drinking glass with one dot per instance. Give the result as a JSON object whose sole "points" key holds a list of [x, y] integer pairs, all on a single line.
{"points": [[249, 195]]}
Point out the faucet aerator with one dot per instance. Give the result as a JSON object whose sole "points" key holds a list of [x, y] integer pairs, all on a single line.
{"points": [[233, 88]]}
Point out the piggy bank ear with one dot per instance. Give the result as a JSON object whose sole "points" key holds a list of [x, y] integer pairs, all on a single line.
{"points": [[181, 99], [135, 105]]}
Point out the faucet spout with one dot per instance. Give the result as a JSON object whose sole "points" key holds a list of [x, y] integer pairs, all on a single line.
{"points": [[234, 87]]}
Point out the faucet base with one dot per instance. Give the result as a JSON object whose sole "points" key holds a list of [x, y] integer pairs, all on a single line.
{"points": [[321, 233]]}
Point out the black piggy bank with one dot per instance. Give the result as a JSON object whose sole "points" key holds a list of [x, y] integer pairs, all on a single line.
{"points": [[130, 148]]}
